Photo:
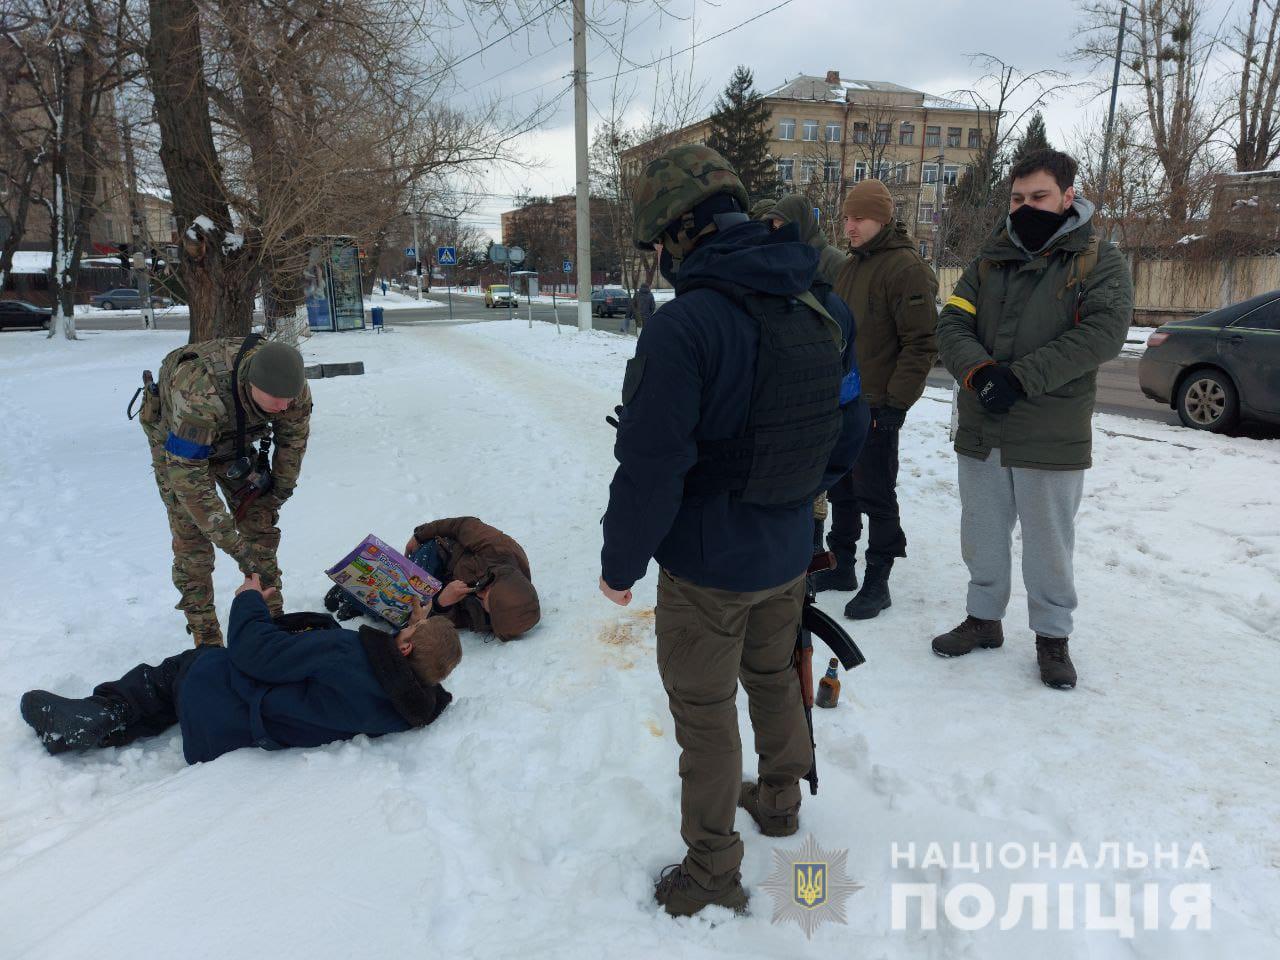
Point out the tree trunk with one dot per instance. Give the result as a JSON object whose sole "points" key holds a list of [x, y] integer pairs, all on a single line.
{"points": [[215, 265]]}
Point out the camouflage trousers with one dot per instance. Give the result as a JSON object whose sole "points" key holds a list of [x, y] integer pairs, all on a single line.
{"points": [[193, 552]]}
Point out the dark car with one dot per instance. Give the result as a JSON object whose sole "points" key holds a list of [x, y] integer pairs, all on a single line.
{"points": [[124, 298], [1219, 368], [19, 313], [610, 300]]}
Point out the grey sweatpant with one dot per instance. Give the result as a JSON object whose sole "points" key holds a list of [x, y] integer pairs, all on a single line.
{"points": [[1044, 502]]}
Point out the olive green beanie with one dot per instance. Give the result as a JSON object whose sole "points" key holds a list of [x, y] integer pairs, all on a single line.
{"points": [[276, 368]]}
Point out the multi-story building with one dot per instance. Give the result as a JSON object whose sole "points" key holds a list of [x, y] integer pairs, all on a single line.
{"points": [[829, 133]]}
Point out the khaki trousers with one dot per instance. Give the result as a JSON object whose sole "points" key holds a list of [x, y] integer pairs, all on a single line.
{"points": [[708, 640]]}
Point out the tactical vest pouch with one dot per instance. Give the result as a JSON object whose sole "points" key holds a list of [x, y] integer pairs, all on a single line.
{"points": [[795, 418]]}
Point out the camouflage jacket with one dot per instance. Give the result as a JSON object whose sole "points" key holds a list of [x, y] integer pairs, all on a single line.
{"points": [[199, 419]]}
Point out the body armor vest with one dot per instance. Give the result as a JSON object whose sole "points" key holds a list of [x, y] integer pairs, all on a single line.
{"points": [[795, 419]]}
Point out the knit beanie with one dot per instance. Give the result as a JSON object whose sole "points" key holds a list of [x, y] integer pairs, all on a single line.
{"points": [[275, 368], [869, 200]]}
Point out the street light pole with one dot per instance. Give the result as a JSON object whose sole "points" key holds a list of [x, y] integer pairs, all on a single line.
{"points": [[417, 260], [580, 149]]}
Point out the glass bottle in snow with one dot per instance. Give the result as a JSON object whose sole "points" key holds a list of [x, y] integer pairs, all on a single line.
{"points": [[828, 694]]}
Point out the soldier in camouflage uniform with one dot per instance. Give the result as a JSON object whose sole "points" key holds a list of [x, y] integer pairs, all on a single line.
{"points": [[190, 423]]}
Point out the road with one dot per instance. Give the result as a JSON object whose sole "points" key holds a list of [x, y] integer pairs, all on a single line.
{"points": [[1118, 391]]}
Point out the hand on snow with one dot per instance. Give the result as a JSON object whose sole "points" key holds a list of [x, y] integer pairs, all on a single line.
{"points": [[620, 597], [254, 582]]}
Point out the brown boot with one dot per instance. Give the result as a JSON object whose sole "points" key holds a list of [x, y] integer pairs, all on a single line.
{"points": [[682, 896], [1056, 668], [771, 824], [974, 632]]}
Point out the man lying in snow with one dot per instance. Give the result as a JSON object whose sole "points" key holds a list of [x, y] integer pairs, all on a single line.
{"points": [[486, 577], [268, 688]]}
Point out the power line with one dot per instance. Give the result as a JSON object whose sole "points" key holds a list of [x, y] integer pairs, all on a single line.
{"points": [[695, 45], [514, 30]]}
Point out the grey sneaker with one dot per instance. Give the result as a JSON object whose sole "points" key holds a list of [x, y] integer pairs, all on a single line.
{"points": [[974, 632]]}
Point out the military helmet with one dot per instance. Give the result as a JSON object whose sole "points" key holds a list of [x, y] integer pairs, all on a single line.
{"points": [[675, 183]]}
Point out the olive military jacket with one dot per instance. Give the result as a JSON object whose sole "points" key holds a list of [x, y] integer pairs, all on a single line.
{"points": [[892, 293], [1021, 310]]}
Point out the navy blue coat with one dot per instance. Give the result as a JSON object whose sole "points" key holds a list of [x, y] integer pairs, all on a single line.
{"points": [[698, 354], [274, 689]]}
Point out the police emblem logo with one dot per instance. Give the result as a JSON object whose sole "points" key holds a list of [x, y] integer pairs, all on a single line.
{"points": [[809, 886]]}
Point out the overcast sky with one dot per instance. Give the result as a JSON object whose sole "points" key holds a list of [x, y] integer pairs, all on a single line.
{"points": [[924, 45]]}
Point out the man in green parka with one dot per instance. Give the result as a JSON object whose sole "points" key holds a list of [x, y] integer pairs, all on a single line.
{"points": [[1031, 320]]}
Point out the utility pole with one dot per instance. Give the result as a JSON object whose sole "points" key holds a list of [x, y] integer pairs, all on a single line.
{"points": [[940, 193], [580, 149], [417, 260], [137, 232], [1111, 113]]}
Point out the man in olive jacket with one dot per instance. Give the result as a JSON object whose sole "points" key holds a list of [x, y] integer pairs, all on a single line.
{"points": [[892, 292], [1031, 320]]}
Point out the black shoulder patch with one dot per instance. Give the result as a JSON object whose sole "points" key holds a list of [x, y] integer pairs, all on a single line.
{"points": [[631, 382]]}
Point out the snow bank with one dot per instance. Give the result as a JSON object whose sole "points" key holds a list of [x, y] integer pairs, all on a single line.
{"points": [[531, 818]]}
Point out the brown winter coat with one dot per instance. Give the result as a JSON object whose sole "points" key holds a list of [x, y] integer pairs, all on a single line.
{"points": [[892, 293], [471, 548]]}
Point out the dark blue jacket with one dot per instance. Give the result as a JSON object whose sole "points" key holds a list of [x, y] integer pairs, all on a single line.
{"points": [[695, 361], [273, 689]]}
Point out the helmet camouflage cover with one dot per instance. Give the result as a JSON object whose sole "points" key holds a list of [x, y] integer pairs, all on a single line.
{"points": [[675, 183]]}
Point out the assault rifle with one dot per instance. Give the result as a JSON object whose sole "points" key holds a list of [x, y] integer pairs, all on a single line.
{"points": [[815, 623]]}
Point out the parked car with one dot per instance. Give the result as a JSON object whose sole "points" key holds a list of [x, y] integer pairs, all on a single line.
{"points": [[610, 300], [1218, 368], [499, 295], [19, 313], [124, 298]]}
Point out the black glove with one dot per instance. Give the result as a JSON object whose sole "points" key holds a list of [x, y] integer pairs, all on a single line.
{"points": [[997, 388], [888, 419]]}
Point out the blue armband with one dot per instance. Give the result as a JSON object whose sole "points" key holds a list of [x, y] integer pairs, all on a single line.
{"points": [[187, 449]]}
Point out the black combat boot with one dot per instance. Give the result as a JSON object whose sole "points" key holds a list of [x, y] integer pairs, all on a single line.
{"points": [[874, 595], [973, 633], [1056, 668], [682, 896], [844, 577], [65, 724], [771, 823]]}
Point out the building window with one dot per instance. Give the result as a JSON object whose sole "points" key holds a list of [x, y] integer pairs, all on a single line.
{"points": [[882, 171], [933, 136], [807, 170], [924, 250], [883, 131], [861, 132], [833, 133], [786, 129], [859, 171], [926, 213], [929, 173], [811, 131], [786, 170], [831, 171], [906, 134], [953, 136], [950, 175], [899, 208], [975, 138]]}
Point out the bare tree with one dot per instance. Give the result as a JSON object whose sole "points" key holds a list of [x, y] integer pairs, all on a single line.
{"points": [[1130, 203], [1257, 136], [1166, 51], [73, 54]]}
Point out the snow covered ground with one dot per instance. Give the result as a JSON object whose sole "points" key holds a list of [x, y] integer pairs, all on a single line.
{"points": [[532, 817]]}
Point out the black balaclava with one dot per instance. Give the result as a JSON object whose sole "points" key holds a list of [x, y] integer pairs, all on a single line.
{"points": [[1036, 227]]}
